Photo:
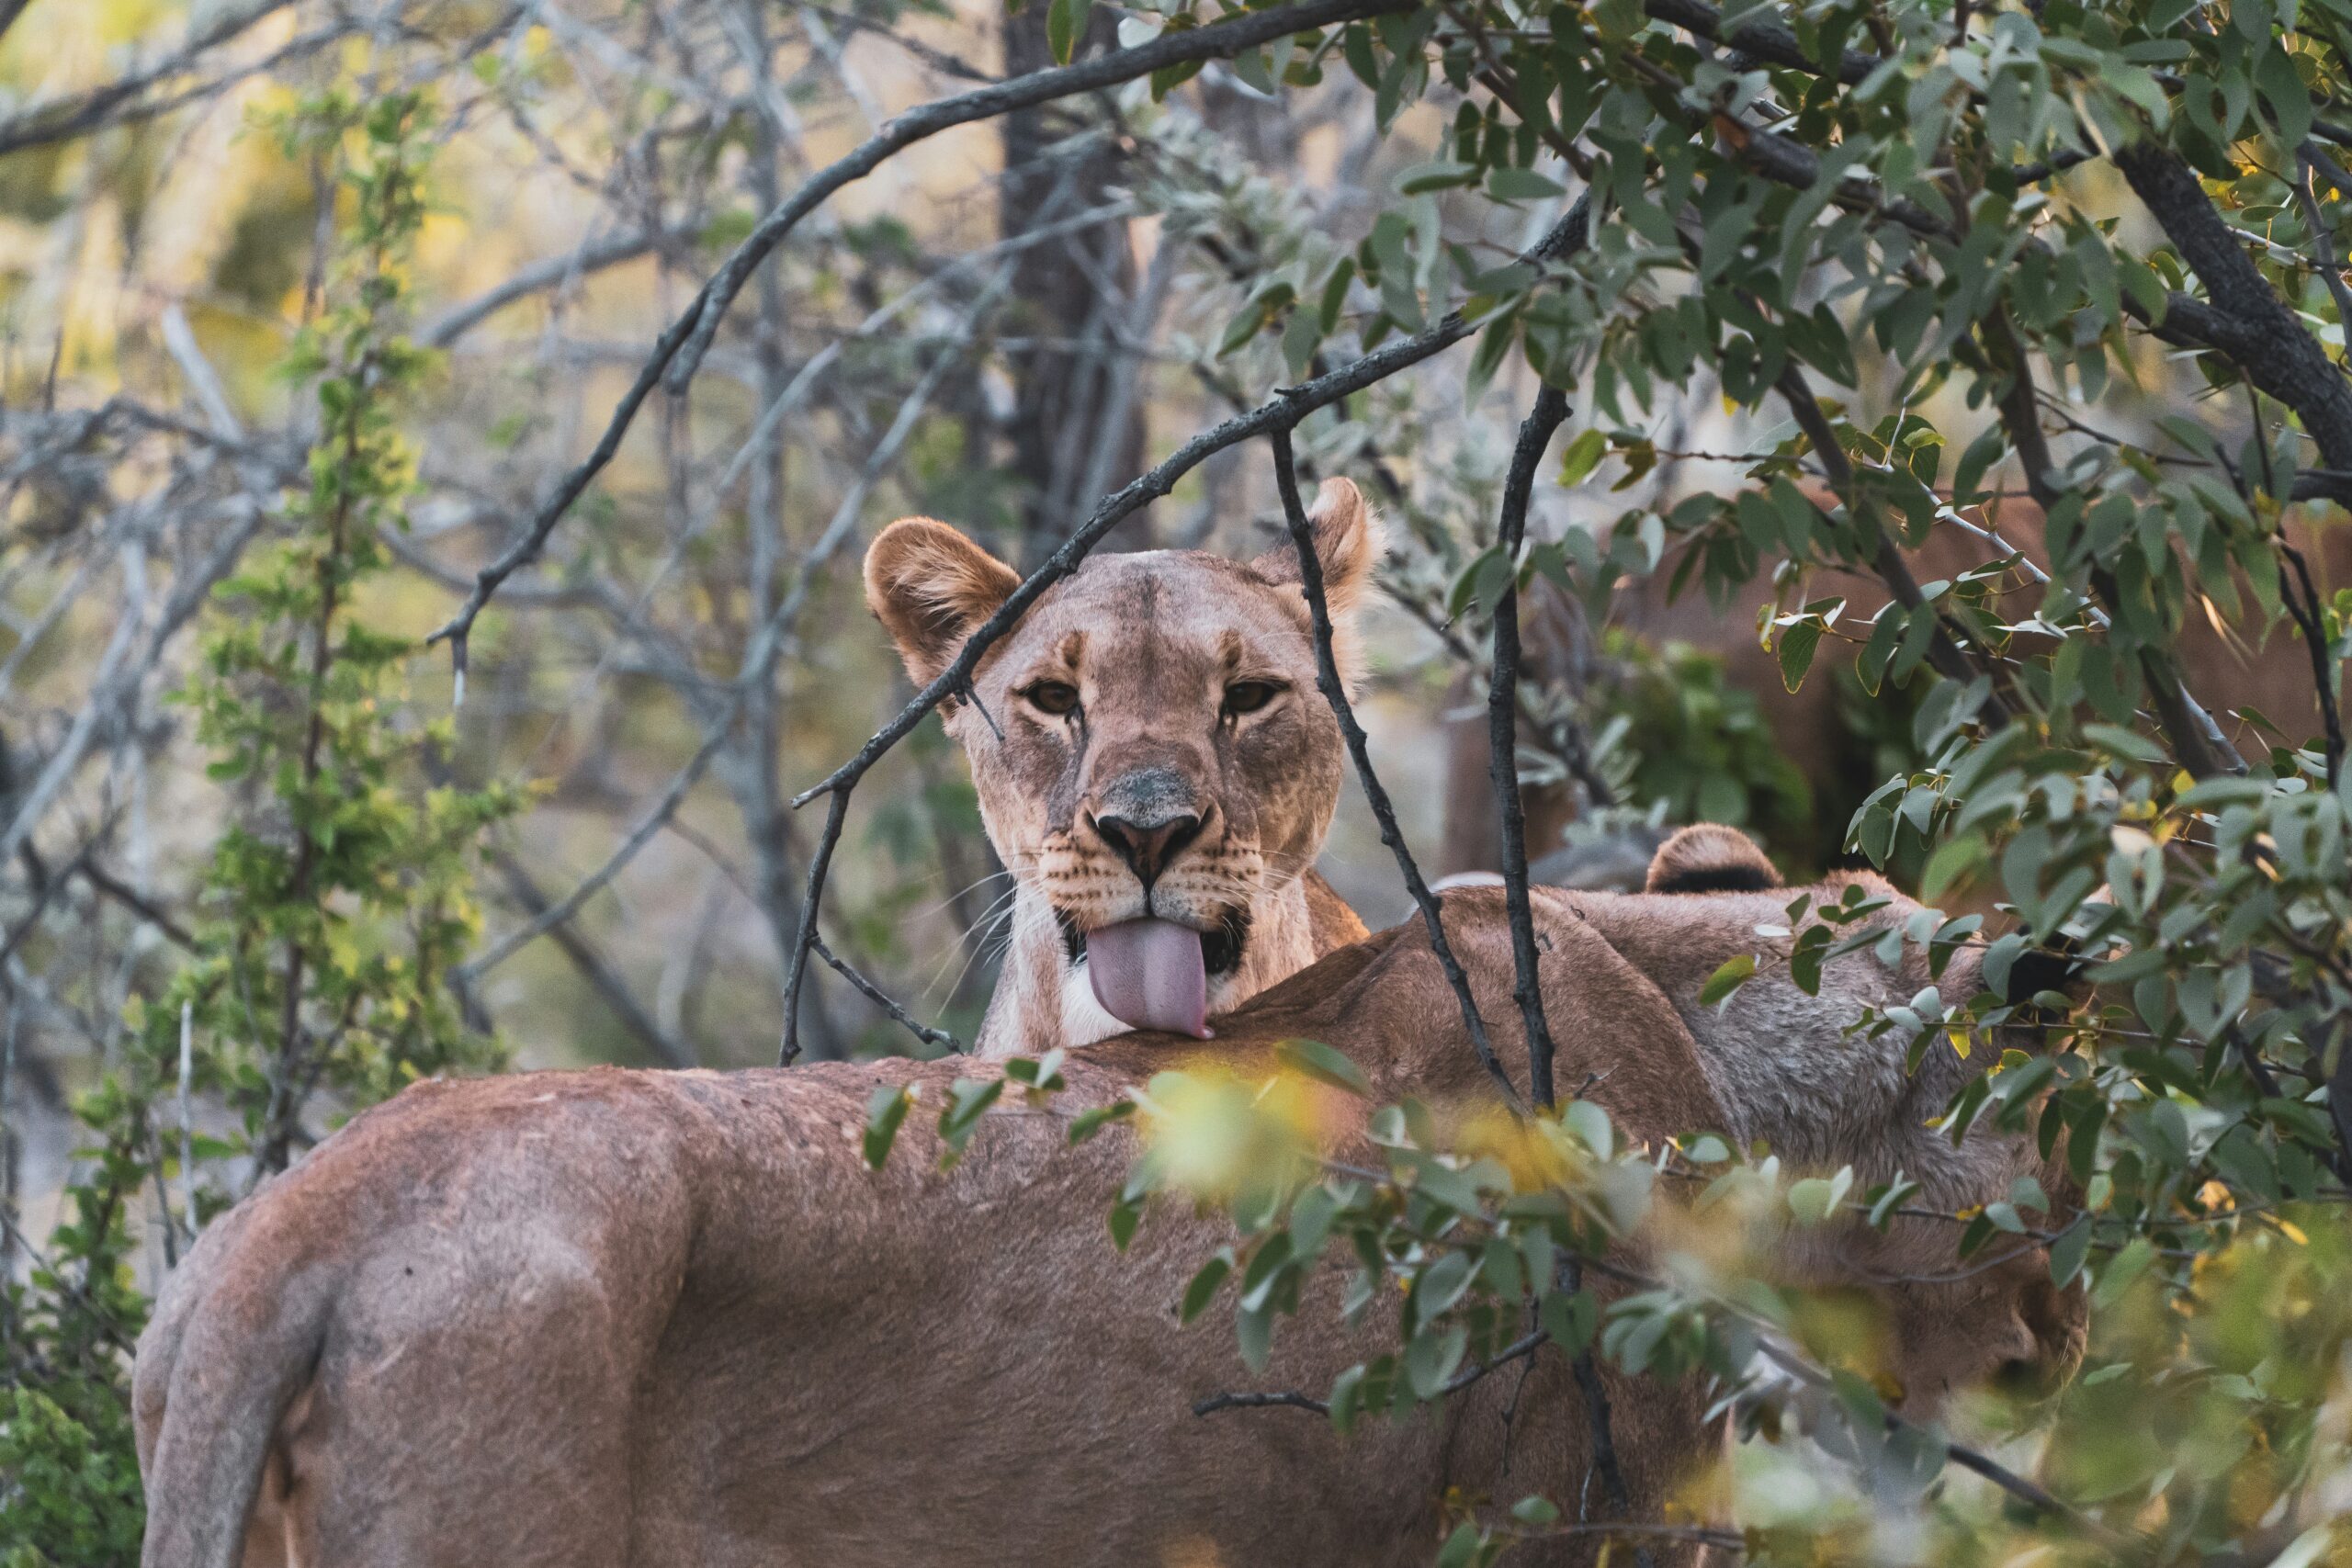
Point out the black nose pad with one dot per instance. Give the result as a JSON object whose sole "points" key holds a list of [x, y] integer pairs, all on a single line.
{"points": [[1147, 848]]}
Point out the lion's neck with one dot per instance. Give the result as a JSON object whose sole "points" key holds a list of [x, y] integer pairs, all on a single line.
{"points": [[1044, 1001]]}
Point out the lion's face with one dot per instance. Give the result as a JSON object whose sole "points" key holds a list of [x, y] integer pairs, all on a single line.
{"points": [[1148, 744]]}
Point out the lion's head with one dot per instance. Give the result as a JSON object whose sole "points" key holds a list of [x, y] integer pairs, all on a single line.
{"points": [[1154, 765]]}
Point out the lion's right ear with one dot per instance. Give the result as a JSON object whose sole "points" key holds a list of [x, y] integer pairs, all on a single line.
{"points": [[930, 586], [1349, 543]]}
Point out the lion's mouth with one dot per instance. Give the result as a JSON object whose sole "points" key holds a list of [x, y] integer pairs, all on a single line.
{"points": [[1221, 944], [1151, 972]]}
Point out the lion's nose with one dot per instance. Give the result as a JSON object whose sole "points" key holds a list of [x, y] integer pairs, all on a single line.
{"points": [[1147, 847]]}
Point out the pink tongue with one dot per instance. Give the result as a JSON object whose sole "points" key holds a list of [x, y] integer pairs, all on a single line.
{"points": [[1147, 975]]}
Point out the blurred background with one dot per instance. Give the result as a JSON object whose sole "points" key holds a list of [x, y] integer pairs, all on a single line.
{"points": [[996, 328]]}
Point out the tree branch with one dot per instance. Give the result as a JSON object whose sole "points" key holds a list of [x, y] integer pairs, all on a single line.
{"points": [[1765, 40], [2310, 620], [1335, 691], [1886, 559], [1502, 734], [875, 995], [66, 119], [1289, 1399], [2246, 320], [459, 320], [2201, 747]]}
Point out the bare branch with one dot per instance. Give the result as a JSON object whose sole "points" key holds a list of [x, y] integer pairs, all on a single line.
{"points": [[880, 999], [1335, 691], [2309, 617], [1502, 757]]}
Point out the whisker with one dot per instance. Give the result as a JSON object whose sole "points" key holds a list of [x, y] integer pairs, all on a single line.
{"points": [[929, 910]]}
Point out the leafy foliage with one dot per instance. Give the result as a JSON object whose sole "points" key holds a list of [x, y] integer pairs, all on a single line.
{"points": [[335, 905]]}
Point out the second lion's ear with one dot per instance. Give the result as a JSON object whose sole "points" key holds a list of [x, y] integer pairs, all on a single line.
{"points": [[1349, 543], [930, 586]]}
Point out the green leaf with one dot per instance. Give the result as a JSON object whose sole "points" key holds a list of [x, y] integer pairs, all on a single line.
{"points": [[1202, 1289], [1065, 25], [1088, 1123], [1483, 581], [1461, 1548], [1432, 1358], [1569, 1317], [2067, 1253], [1347, 1398], [1255, 1330], [1324, 1065], [1816, 1197], [2119, 1273], [1953, 860], [1125, 1215], [1509, 183], [1796, 651], [884, 1112], [1439, 1286], [1440, 175], [1583, 454], [1728, 977]]}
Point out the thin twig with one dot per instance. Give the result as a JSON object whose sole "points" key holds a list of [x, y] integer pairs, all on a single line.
{"points": [[1885, 559], [1290, 1399], [1502, 733], [2196, 740], [1604, 1464], [2310, 618], [2322, 250], [593, 967], [875, 995], [1335, 691]]}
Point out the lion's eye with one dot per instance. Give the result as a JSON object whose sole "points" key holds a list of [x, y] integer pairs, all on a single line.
{"points": [[1056, 697], [1249, 696]]}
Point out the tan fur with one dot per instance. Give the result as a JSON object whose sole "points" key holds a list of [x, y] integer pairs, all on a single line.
{"points": [[1150, 642], [638, 1318], [1710, 858]]}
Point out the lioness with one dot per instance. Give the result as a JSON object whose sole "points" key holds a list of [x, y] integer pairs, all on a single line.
{"points": [[1154, 765], [637, 1318]]}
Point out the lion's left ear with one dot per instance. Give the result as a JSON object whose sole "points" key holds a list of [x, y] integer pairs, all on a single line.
{"points": [[1349, 543]]}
